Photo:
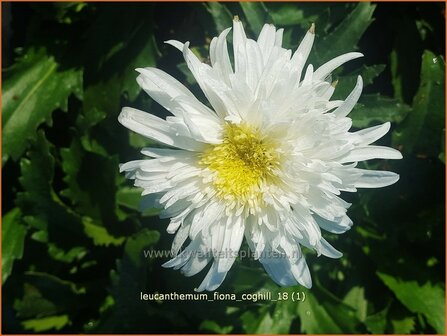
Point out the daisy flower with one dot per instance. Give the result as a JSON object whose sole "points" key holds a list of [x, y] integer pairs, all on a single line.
{"points": [[265, 160]]}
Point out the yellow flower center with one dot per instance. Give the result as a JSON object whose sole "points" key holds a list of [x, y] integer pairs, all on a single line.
{"points": [[242, 162]]}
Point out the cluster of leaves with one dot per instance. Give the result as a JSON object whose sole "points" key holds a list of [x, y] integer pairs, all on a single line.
{"points": [[72, 233]]}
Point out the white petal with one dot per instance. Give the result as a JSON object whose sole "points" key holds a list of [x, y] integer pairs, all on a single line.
{"points": [[328, 250], [254, 64], [131, 165], [334, 63], [162, 87], [234, 233], [239, 42], [308, 76], [155, 128], [266, 41], [338, 225], [198, 260], [371, 152], [301, 272], [375, 178], [179, 239], [202, 75], [159, 152], [212, 280], [278, 268], [369, 135], [175, 44], [278, 37], [346, 107], [183, 257], [221, 55], [300, 56]]}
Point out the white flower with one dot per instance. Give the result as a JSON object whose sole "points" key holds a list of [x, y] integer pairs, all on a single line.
{"points": [[266, 161]]}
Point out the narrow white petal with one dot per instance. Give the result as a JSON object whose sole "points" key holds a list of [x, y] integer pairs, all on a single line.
{"points": [[254, 64], [222, 57], [278, 267], [375, 178], [334, 63], [239, 42], [266, 41], [346, 107], [300, 56], [371, 152], [179, 239], [278, 37], [308, 77], [231, 244], [183, 257], [162, 87], [198, 260], [301, 272], [328, 250], [131, 165], [338, 225], [369, 135], [175, 44], [202, 73], [213, 279], [159, 152], [155, 128]]}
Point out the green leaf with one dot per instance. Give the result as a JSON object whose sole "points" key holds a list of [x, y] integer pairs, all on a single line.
{"points": [[282, 317], [45, 294], [377, 108], [93, 197], [64, 13], [221, 15], [421, 131], [405, 58], [265, 322], [356, 299], [131, 198], [128, 281], [99, 234], [314, 317], [212, 326], [138, 141], [33, 88], [403, 326], [46, 323], [75, 253], [256, 14], [249, 321], [42, 208], [376, 323], [346, 35], [426, 299], [323, 312], [289, 14], [13, 238]]}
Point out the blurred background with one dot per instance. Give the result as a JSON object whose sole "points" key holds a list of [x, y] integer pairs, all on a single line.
{"points": [[72, 234]]}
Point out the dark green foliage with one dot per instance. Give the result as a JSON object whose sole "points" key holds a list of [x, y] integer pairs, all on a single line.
{"points": [[74, 238]]}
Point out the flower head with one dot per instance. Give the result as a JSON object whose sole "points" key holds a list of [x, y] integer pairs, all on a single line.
{"points": [[267, 160]]}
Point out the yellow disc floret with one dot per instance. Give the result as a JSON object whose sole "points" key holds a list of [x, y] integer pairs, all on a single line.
{"points": [[242, 162]]}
